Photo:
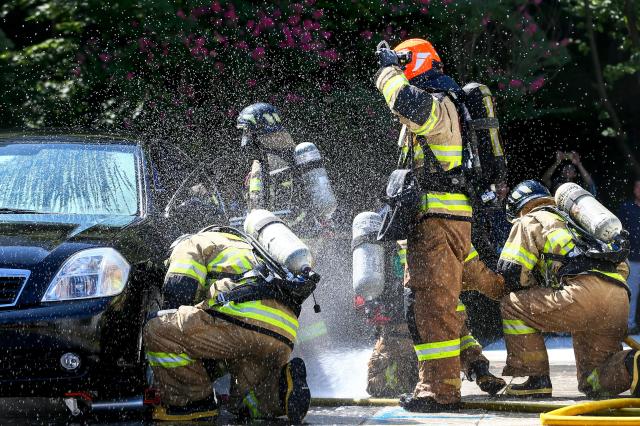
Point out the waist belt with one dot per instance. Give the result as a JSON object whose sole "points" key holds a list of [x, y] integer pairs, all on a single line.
{"points": [[582, 264], [233, 320]]}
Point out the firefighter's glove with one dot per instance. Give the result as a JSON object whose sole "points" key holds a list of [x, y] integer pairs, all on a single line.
{"points": [[387, 57]]}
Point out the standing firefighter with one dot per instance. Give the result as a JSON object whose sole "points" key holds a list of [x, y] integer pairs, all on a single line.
{"points": [[392, 367], [284, 177], [559, 286], [441, 239], [246, 322]]}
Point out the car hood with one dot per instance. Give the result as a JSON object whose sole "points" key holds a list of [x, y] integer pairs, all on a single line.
{"points": [[26, 239]]}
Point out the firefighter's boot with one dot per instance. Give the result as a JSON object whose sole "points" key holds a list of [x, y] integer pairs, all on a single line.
{"points": [[203, 410], [294, 390], [632, 363], [487, 382], [426, 405], [534, 387]]}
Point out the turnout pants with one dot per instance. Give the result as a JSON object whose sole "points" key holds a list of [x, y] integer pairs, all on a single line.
{"points": [[393, 369], [435, 255], [594, 311], [178, 342]]}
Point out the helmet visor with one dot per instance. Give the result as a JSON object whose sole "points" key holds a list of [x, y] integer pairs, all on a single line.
{"points": [[278, 141]]}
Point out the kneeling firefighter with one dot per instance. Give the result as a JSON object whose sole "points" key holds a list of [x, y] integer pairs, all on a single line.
{"points": [[393, 367], [564, 262], [246, 322], [284, 177]]}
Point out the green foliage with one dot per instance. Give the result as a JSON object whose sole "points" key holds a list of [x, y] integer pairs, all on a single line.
{"points": [[128, 63]]}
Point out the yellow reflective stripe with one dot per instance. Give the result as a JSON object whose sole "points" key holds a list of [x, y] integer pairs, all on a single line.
{"points": [[614, 275], [257, 311], [594, 381], [168, 360], [287, 184], [402, 256], [467, 342], [438, 350], [450, 154], [418, 153], [255, 184], [519, 255], [517, 327], [234, 258], [461, 307], [447, 201], [431, 121], [190, 268], [472, 255], [251, 402], [559, 241], [393, 85]]}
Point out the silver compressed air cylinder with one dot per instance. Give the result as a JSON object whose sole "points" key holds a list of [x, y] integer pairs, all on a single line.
{"points": [[279, 240], [368, 256], [316, 182], [588, 212]]}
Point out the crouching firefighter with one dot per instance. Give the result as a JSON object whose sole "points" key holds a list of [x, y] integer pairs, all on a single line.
{"points": [[564, 262], [393, 367], [246, 323]]}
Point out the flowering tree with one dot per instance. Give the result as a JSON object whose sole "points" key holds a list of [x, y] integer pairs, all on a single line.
{"points": [[112, 64]]}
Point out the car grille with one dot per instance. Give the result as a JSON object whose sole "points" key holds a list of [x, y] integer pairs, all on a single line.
{"points": [[12, 282]]}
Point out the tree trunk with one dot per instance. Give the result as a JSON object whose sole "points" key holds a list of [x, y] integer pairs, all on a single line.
{"points": [[621, 135]]}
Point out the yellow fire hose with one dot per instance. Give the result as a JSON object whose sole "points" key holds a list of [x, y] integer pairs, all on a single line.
{"points": [[607, 412]]}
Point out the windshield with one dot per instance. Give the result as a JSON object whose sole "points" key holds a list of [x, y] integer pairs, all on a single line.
{"points": [[68, 178]]}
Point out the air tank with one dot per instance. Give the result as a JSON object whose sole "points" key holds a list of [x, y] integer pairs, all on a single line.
{"points": [[279, 240], [588, 212], [316, 182], [368, 256]]}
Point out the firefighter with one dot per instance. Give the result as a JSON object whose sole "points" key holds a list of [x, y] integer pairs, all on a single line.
{"points": [[283, 176], [441, 238], [555, 288], [392, 367], [252, 340]]}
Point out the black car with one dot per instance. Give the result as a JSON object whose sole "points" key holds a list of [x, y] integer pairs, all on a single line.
{"points": [[85, 225]]}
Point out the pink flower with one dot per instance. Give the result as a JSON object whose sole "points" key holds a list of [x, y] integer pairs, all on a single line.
{"points": [[218, 66], [297, 8], [326, 34], [250, 24], [296, 31], [307, 24], [251, 82], [276, 13], [424, 10], [502, 86], [537, 2], [287, 43], [266, 23], [425, 1], [215, 7], [515, 83], [564, 42], [180, 14], [537, 84], [232, 113], [241, 45], [325, 87], [293, 20], [485, 20], [130, 75], [143, 44], [531, 29], [366, 35], [306, 38], [104, 57], [258, 53], [231, 15], [318, 14], [199, 42], [198, 11], [76, 71], [331, 55]]}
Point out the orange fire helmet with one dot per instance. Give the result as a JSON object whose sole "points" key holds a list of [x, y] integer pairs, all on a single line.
{"points": [[423, 55]]}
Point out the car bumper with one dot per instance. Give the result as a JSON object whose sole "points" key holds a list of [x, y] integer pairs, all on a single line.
{"points": [[34, 340]]}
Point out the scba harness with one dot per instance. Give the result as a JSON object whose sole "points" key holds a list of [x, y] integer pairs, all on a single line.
{"points": [[268, 280]]}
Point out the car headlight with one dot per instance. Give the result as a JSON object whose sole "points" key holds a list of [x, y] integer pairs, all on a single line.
{"points": [[96, 272]]}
